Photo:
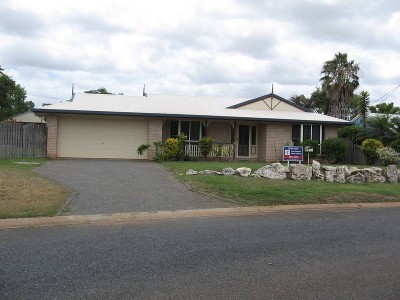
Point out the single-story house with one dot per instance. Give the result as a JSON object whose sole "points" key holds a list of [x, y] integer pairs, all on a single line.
{"points": [[27, 117], [114, 126]]}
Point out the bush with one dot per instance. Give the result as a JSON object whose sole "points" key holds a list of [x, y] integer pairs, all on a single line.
{"points": [[205, 144], [369, 148], [171, 148], [313, 144], [181, 146], [355, 133], [388, 156], [142, 148], [395, 144], [334, 149], [159, 152]]}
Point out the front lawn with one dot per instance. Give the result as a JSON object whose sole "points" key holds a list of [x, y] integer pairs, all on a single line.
{"points": [[23, 193], [261, 191]]}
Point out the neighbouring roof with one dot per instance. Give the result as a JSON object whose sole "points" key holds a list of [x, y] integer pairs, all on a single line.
{"points": [[27, 117], [203, 107], [357, 120]]}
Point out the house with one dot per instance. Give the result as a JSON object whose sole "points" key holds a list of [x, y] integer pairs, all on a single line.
{"points": [[27, 117], [358, 120], [113, 126]]}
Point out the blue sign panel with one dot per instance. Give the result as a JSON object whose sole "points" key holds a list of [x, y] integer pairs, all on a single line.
{"points": [[292, 153]]}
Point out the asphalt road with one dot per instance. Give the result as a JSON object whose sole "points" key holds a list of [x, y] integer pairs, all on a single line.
{"points": [[303, 255]]}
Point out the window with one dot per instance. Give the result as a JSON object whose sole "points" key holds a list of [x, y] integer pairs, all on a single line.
{"points": [[316, 133], [194, 130], [296, 134], [305, 132]]}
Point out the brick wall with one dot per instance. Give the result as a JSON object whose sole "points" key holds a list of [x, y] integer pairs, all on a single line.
{"points": [[155, 135], [277, 136], [331, 131], [262, 142], [52, 124], [219, 131]]}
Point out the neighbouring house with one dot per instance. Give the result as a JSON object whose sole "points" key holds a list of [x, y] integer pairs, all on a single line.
{"points": [[358, 120], [114, 126], [27, 117]]}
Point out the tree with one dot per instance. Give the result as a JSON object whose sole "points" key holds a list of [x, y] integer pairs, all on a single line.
{"points": [[362, 105], [12, 98], [381, 128], [339, 81], [100, 90], [317, 102], [385, 108]]}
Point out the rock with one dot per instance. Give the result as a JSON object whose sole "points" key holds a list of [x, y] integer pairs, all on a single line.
{"points": [[274, 171], [392, 174], [243, 172], [209, 172], [191, 172], [356, 178], [300, 172], [353, 170], [229, 171], [340, 175], [330, 173], [316, 170], [373, 174]]}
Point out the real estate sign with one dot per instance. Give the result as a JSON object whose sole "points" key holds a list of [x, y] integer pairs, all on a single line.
{"points": [[292, 153]]}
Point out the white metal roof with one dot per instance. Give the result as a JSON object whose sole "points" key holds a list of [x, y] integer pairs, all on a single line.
{"points": [[177, 106]]}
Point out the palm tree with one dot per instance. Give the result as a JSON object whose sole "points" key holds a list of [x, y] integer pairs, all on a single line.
{"points": [[363, 105], [381, 128], [339, 81]]}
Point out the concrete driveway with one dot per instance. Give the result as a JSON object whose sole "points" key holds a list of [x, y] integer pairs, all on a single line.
{"points": [[109, 186]]}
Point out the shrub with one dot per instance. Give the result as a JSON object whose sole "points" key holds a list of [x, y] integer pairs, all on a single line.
{"points": [[142, 148], [313, 144], [159, 152], [181, 146], [395, 144], [388, 156], [355, 133], [205, 144], [171, 148], [369, 148], [334, 149]]}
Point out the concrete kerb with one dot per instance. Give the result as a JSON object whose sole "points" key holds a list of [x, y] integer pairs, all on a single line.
{"points": [[182, 214]]}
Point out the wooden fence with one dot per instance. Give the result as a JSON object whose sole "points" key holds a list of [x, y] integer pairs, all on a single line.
{"points": [[22, 140], [354, 155]]}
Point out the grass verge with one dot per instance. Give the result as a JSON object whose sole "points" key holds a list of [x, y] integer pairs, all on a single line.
{"points": [[23, 193], [261, 191]]}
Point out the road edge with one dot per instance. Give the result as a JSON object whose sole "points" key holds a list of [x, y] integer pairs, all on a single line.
{"points": [[133, 217]]}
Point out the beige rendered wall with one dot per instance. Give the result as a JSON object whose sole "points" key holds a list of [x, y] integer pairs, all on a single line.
{"points": [[52, 123], [331, 131], [219, 131], [278, 105], [277, 136]]}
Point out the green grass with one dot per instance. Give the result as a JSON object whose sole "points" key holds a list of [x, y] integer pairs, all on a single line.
{"points": [[261, 191], [23, 193]]}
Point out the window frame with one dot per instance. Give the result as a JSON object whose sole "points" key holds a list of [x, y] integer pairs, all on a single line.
{"points": [[201, 130], [321, 133]]}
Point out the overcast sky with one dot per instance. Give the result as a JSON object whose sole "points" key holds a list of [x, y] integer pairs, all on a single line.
{"points": [[218, 47]]}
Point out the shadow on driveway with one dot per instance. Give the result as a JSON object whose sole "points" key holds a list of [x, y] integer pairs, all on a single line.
{"points": [[110, 186]]}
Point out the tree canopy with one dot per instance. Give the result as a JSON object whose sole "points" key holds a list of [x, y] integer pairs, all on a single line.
{"points": [[101, 90], [12, 97], [339, 81], [385, 108]]}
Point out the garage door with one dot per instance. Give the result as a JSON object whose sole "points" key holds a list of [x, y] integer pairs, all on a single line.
{"points": [[101, 137]]}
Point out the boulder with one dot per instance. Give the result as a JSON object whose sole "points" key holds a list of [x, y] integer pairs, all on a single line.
{"points": [[373, 174], [329, 173], [228, 171], [316, 170], [340, 175], [356, 178], [209, 172], [191, 172], [273, 171], [392, 174], [300, 172], [243, 172], [354, 170]]}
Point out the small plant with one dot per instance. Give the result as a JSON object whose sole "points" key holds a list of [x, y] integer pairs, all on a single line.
{"points": [[388, 156], [142, 148], [181, 146], [159, 153], [369, 148], [334, 149], [205, 144], [171, 148], [313, 144]]}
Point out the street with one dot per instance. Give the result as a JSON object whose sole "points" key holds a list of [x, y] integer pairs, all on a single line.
{"points": [[297, 255]]}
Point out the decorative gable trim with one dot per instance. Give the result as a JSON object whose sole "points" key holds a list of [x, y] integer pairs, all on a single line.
{"points": [[241, 104]]}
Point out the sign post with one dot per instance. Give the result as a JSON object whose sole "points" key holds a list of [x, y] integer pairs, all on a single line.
{"points": [[293, 153], [308, 149]]}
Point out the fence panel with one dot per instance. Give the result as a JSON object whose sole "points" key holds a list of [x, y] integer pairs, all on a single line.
{"points": [[354, 155], [22, 140]]}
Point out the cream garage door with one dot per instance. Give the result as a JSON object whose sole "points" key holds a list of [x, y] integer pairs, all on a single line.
{"points": [[101, 137]]}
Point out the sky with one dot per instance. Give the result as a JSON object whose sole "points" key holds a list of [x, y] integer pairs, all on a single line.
{"points": [[216, 48]]}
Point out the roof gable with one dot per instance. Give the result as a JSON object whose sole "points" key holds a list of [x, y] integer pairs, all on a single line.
{"points": [[270, 102]]}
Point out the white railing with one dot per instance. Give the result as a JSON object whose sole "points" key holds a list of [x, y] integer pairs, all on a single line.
{"points": [[218, 150]]}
